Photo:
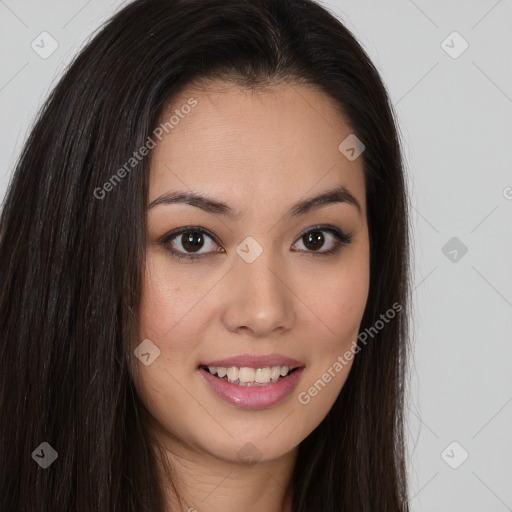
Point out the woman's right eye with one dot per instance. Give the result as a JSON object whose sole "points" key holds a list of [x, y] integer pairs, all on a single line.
{"points": [[192, 239]]}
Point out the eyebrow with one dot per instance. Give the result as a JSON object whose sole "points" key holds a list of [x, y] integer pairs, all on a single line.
{"points": [[336, 195]]}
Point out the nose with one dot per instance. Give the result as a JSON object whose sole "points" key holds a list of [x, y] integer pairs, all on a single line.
{"points": [[260, 300]]}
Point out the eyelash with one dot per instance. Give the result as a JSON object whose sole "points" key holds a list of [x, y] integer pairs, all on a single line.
{"points": [[341, 239]]}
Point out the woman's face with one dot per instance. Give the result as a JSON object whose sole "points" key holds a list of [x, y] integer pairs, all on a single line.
{"points": [[264, 288]]}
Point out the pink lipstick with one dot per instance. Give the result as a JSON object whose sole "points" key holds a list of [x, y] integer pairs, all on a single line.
{"points": [[252, 381]]}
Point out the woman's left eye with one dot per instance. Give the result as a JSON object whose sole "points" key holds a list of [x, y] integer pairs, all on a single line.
{"points": [[195, 239], [314, 238]]}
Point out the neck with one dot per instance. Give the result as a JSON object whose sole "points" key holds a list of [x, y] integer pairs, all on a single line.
{"points": [[207, 483]]}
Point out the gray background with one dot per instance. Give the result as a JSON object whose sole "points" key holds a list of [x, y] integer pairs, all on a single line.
{"points": [[454, 115]]}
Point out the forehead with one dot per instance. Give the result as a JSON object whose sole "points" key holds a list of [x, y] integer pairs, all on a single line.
{"points": [[254, 146]]}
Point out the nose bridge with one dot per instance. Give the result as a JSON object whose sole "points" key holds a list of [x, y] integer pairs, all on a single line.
{"points": [[260, 275], [259, 299]]}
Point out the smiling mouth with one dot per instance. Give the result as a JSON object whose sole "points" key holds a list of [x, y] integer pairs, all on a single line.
{"points": [[248, 377]]}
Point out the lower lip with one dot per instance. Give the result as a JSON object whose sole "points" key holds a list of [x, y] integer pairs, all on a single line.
{"points": [[252, 397]]}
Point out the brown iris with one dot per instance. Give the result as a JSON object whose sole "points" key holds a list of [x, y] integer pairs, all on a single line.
{"points": [[315, 239], [192, 241]]}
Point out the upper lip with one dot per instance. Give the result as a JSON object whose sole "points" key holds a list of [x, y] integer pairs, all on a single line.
{"points": [[255, 361]]}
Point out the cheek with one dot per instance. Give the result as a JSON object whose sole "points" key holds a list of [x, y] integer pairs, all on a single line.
{"points": [[348, 304], [339, 306], [164, 321], [168, 307], [166, 318]]}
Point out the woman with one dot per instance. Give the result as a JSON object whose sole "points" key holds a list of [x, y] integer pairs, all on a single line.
{"points": [[204, 253]]}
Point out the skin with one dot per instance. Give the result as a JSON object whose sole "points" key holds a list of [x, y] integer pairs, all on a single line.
{"points": [[260, 152]]}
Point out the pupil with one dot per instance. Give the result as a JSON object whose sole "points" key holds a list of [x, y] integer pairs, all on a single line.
{"points": [[315, 238], [192, 241]]}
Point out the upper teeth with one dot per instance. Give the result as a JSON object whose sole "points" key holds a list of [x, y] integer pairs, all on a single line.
{"points": [[245, 374]]}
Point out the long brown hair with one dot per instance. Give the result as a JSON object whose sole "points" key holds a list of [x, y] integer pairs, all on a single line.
{"points": [[71, 263]]}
